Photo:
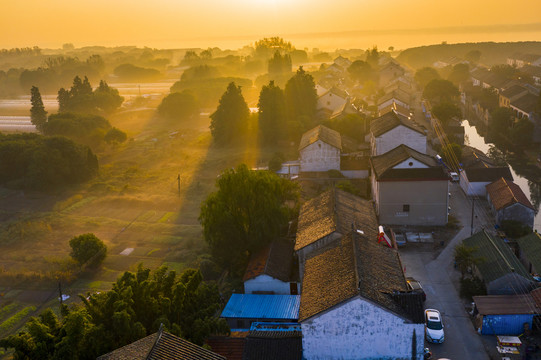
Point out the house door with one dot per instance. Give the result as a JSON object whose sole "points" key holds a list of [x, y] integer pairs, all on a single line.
{"points": [[293, 290]]}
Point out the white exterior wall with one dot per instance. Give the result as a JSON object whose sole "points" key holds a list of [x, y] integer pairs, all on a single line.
{"points": [[415, 164], [397, 136], [320, 156], [330, 101], [355, 174], [472, 188], [359, 329], [266, 283]]}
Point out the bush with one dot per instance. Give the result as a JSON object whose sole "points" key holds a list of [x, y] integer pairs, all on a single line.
{"points": [[470, 287], [515, 229], [88, 250], [275, 163]]}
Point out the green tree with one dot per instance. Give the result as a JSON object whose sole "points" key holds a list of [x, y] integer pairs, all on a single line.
{"points": [[361, 71], [459, 74], [465, 260], [275, 162], [279, 64], [446, 111], [272, 116], [230, 119], [115, 136], [425, 75], [88, 249], [179, 106], [372, 56], [301, 99], [246, 212], [106, 98], [501, 120], [266, 47], [438, 90], [38, 115], [522, 134]]}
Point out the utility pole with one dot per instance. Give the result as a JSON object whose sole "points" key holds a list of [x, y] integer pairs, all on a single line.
{"points": [[472, 209], [178, 178], [60, 293]]}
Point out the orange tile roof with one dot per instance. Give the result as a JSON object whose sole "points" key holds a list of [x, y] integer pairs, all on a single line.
{"points": [[503, 193]]}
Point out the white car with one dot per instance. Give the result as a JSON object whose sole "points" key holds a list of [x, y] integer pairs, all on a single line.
{"points": [[433, 326]]}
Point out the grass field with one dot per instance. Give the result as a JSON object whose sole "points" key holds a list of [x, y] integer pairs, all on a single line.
{"points": [[134, 203]]}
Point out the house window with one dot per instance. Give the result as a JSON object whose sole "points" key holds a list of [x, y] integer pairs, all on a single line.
{"points": [[410, 163], [406, 208]]}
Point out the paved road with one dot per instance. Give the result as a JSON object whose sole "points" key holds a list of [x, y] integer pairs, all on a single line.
{"points": [[461, 340]]}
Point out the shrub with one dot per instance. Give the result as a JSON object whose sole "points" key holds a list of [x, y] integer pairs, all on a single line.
{"points": [[470, 287], [88, 250]]}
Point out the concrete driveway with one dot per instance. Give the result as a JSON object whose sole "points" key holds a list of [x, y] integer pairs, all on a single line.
{"points": [[437, 276]]}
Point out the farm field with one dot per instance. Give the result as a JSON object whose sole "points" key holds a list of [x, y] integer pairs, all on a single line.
{"points": [[134, 206]]}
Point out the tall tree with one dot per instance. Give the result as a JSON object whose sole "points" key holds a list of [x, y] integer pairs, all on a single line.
{"points": [[38, 114], [301, 99], [230, 119], [361, 71], [106, 98], [425, 75], [279, 64], [272, 115], [246, 212], [439, 90]]}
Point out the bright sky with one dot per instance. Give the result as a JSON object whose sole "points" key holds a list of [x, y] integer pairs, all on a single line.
{"points": [[183, 23]]}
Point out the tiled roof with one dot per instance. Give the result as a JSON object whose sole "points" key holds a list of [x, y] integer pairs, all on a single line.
{"points": [[229, 347], [530, 245], [504, 193], [334, 276], [329, 279], [513, 91], [274, 260], [389, 121], [472, 157], [498, 259], [323, 133], [258, 306], [161, 346], [334, 210], [273, 345], [397, 94], [488, 174], [526, 103], [531, 70], [506, 304], [383, 165]]}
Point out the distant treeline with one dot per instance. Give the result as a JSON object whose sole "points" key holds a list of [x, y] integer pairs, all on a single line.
{"points": [[31, 161], [491, 53]]}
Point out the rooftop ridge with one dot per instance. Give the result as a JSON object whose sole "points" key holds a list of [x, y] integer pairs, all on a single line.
{"points": [[499, 251]]}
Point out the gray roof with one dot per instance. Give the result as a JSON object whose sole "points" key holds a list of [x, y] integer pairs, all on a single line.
{"points": [[513, 91], [389, 121], [488, 174], [383, 165], [526, 103], [530, 245], [323, 133], [161, 346], [333, 210], [273, 345], [498, 259]]}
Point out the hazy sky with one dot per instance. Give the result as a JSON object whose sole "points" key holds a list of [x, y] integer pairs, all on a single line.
{"points": [[182, 23]]}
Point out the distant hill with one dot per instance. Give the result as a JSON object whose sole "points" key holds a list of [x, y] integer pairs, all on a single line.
{"points": [[491, 53]]}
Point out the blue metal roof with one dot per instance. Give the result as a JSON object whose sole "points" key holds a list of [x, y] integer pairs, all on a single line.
{"points": [[256, 306]]}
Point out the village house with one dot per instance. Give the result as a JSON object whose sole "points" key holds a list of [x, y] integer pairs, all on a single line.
{"points": [[389, 72], [519, 60], [273, 341], [509, 202], [485, 78], [244, 309], [409, 188], [328, 217], [529, 252], [398, 97], [478, 170], [331, 101], [534, 72], [397, 108], [271, 271], [511, 94], [392, 129], [524, 106], [504, 314], [160, 346], [320, 149], [500, 269], [343, 62], [355, 303]]}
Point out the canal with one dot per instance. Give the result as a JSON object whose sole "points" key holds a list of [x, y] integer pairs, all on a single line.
{"points": [[530, 184]]}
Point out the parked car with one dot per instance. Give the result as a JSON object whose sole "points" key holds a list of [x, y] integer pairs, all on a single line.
{"points": [[415, 285], [454, 177], [433, 326]]}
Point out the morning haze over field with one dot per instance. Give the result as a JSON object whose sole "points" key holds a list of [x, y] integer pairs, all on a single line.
{"points": [[270, 179]]}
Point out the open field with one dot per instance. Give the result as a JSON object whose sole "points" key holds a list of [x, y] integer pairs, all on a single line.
{"points": [[134, 203]]}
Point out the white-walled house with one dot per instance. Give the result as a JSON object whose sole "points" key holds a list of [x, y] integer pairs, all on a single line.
{"points": [[331, 101], [320, 149], [392, 129], [409, 188], [509, 202], [355, 304], [270, 271]]}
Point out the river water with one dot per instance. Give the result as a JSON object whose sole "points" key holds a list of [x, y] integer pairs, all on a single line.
{"points": [[529, 186]]}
